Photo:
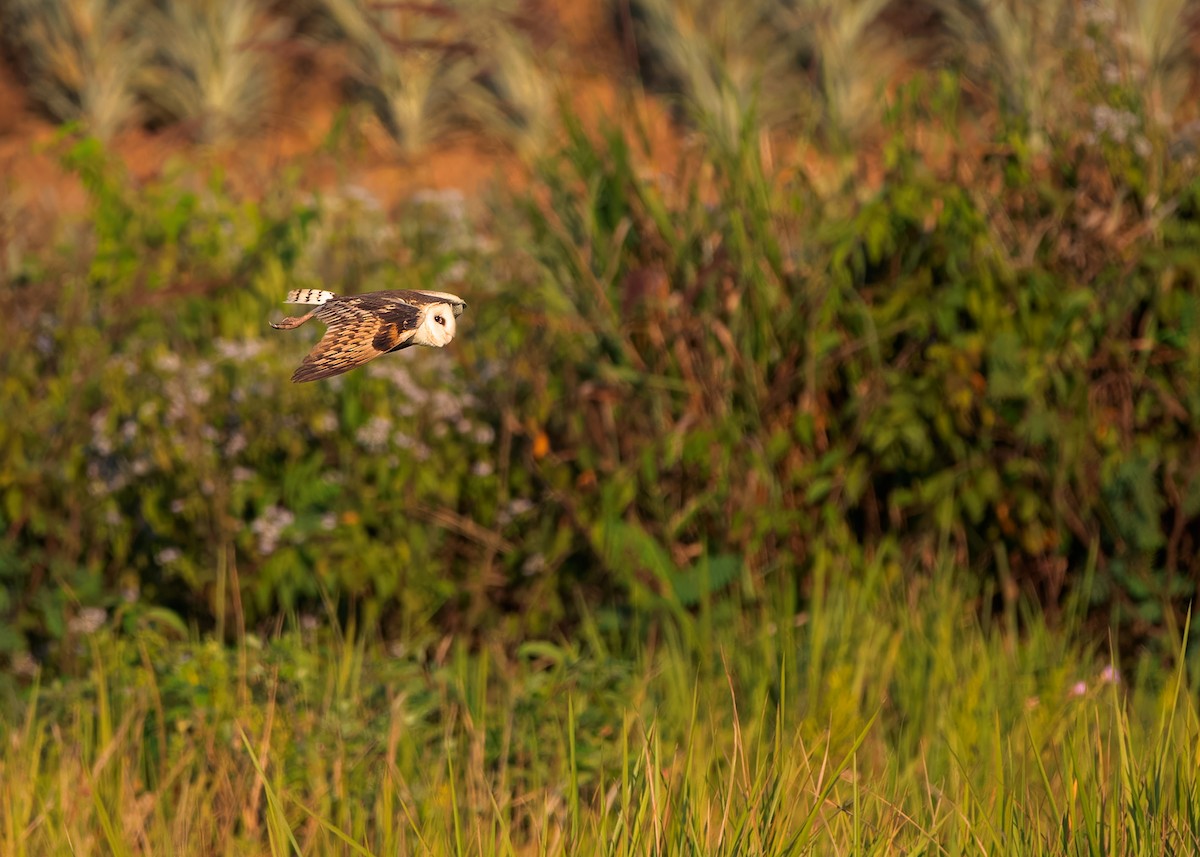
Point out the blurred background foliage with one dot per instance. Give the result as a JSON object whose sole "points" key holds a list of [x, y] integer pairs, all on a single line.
{"points": [[939, 304]]}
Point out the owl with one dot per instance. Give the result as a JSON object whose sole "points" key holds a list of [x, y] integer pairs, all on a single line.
{"points": [[361, 327]]}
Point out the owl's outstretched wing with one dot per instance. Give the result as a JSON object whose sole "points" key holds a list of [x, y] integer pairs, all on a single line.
{"points": [[358, 331]]}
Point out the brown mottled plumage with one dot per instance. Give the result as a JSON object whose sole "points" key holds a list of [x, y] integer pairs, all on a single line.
{"points": [[362, 327]]}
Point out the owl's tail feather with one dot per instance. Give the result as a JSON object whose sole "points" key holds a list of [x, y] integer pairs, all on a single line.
{"points": [[308, 296]]}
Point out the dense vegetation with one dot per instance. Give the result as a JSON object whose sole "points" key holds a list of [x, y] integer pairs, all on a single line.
{"points": [[665, 388], [845, 453]]}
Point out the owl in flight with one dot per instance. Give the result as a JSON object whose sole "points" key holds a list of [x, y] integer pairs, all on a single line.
{"points": [[361, 327]]}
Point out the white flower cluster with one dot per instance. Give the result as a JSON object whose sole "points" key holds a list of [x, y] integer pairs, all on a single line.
{"points": [[269, 528], [515, 509], [87, 621], [326, 422], [1123, 127], [110, 469], [184, 389], [418, 450], [451, 205], [438, 400], [238, 350], [374, 434], [1115, 124]]}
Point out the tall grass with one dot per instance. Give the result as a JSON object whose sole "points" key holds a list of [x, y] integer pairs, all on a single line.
{"points": [[1024, 49], [431, 69], [722, 58], [879, 720], [1045, 60], [413, 63], [81, 59], [516, 101], [798, 63], [1153, 43], [839, 35], [212, 68]]}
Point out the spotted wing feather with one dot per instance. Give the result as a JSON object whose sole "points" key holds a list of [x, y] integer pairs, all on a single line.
{"points": [[360, 329]]}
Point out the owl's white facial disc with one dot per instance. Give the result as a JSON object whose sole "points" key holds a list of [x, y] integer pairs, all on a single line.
{"points": [[437, 327]]}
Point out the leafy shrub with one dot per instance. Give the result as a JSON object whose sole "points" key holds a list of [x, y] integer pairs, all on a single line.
{"points": [[176, 464], [666, 390], [765, 372]]}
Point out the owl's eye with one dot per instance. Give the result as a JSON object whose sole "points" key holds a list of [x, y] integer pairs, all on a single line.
{"points": [[439, 319]]}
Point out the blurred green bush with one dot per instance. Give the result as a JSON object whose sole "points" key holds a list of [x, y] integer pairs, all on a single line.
{"points": [[1002, 372], [155, 453], [666, 390]]}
